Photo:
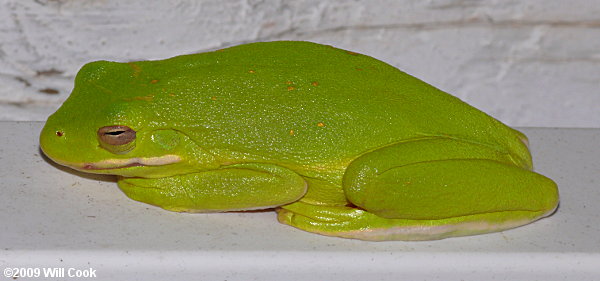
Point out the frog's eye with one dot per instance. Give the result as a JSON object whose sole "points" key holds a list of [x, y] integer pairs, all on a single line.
{"points": [[117, 139], [116, 135]]}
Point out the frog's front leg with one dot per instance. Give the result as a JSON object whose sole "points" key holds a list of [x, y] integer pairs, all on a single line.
{"points": [[430, 189], [235, 187]]}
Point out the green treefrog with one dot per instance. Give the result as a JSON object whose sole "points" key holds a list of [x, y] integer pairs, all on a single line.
{"points": [[339, 143]]}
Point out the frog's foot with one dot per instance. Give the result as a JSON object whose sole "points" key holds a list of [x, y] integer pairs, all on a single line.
{"points": [[342, 221], [351, 222]]}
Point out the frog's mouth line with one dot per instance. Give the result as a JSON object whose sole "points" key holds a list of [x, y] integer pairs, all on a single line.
{"points": [[112, 164]]}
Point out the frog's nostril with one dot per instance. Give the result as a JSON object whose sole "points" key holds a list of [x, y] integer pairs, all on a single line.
{"points": [[59, 133]]}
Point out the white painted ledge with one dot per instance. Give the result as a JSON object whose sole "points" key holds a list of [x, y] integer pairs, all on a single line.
{"points": [[54, 218]]}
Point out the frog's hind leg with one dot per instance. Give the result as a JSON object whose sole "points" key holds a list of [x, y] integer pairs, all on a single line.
{"points": [[430, 189]]}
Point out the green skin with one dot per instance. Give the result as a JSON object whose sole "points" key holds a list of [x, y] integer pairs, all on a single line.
{"points": [[340, 143]]}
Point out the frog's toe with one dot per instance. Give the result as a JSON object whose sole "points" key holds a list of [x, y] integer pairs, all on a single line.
{"points": [[324, 213], [322, 225], [341, 221]]}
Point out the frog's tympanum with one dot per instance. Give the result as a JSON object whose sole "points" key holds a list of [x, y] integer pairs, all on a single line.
{"points": [[337, 142]]}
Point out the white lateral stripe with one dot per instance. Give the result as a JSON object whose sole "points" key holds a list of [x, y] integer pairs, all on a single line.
{"points": [[145, 161]]}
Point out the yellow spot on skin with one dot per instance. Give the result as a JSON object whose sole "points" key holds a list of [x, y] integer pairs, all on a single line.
{"points": [[142, 98], [251, 71], [321, 124], [153, 81], [315, 83], [289, 82], [291, 132], [358, 68], [136, 69], [146, 98], [291, 88], [172, 94], [213, 98], [351, 53]]}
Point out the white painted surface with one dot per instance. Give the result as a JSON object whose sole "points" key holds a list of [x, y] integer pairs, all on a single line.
{"points": [[527, 63], [54, 217]]}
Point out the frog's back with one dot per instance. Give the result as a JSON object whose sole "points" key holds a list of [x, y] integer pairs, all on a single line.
{"points": [[308, 103]]}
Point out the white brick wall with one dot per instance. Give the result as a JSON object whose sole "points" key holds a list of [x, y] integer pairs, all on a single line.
{"points": [[527, 63]]}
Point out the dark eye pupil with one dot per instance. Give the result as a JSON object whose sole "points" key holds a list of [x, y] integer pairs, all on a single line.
{"points": [[115, 133]]}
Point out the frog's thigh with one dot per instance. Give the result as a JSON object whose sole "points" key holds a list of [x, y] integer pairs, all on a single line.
{"points": [[237, 187], [420, 181]]}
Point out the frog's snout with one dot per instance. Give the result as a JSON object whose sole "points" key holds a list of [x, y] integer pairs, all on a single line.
{"points": [[50, 137]]}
